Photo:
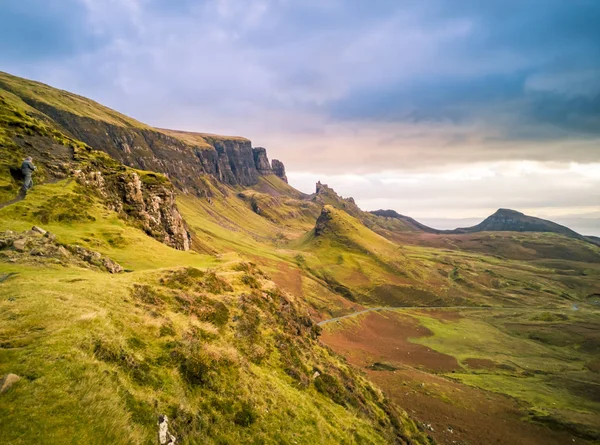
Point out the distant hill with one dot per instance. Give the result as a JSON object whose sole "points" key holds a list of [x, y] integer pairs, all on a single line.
{"points": [[506, 220], [503, 220]]}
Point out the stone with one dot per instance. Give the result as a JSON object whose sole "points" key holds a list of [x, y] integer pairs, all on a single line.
{"points": [[164, 436], [50, 236], [316, 374], [8, 381], [261, 161], [20, 244], [279, 169], [38, 230], [111, 266]]}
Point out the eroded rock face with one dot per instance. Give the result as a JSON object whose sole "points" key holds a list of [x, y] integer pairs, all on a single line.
{"points": [[229, 160], [32, 246], [279, 169], [261, 161], [149, 200]]}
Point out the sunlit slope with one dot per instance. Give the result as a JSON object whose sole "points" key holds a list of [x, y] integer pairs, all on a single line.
{"points": [[212, 342], [367, 268]]}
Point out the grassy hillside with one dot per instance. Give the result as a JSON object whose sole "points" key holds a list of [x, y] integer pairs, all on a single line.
{"points": [[222, 338], [210, 341], [37, 93]]}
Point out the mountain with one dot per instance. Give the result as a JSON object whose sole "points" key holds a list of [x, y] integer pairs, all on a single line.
{"points": [[503, 220], [157, 275], [182, 156]]}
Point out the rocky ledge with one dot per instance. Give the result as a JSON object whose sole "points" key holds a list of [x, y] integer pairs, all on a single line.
{"points": [[145, 198], [38, 246]]}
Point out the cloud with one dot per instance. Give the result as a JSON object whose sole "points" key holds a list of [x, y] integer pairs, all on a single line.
{"points": [[562, 191], [42, 29], [337, 87]]}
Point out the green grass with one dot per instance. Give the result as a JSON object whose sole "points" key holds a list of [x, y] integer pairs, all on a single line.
{"points": [[550, 378], [33, 92], [102, 355]]}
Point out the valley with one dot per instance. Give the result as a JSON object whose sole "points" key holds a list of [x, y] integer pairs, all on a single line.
{"points": [[247, 311]]}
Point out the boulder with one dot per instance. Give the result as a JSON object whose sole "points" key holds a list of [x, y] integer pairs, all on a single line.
{"points": [[38, 230], [111, 266], [20, 244], [8, 381]]}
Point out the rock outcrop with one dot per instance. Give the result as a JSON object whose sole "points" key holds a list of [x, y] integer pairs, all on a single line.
{"points": [[279, 169], [261, 161], [147, 198], [34, 247], [8, 381], [323, 221], [326, 195]]}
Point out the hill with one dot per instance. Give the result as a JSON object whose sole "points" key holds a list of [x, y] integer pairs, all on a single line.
{"points": [[156, 272], [505, 220]]}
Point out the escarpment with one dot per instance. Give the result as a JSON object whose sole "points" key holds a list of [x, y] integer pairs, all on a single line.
{"points": [[183, 156]]}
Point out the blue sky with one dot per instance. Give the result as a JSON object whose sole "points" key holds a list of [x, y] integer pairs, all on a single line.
{"points": [[436, 108]]}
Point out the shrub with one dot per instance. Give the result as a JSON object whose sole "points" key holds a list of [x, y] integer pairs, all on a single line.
{"points": [[246, 416], [330, 386], [250, 281]]}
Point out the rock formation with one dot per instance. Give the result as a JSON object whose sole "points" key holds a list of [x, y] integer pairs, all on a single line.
{"points": [[279, 169], [33, 246], [261, 161], [148, 199]]}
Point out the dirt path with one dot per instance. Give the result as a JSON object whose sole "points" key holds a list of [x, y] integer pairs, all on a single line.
{"points": [[19, 197]]}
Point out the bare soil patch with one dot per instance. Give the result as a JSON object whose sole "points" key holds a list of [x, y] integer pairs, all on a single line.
{"points": [[384, 337], [480, 363], [457, 414]]}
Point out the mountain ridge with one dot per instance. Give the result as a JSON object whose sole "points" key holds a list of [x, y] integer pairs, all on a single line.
{"points": [[502, 220]]}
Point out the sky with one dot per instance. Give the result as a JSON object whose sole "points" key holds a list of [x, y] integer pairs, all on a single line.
{"points": [[444, 110]]}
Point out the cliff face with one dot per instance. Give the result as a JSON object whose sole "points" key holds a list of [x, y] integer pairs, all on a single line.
{"points": [[230, 160], [279, 170], [146, 198]]}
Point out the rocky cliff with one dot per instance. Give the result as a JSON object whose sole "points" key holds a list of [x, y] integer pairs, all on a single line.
{"points": [[279, 170], [183, 156], [146, 198]]}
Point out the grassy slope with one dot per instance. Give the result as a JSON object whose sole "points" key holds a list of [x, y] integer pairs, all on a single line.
{"points": [[548, 360], [32, 91], [99, 360], [348, 266]]}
